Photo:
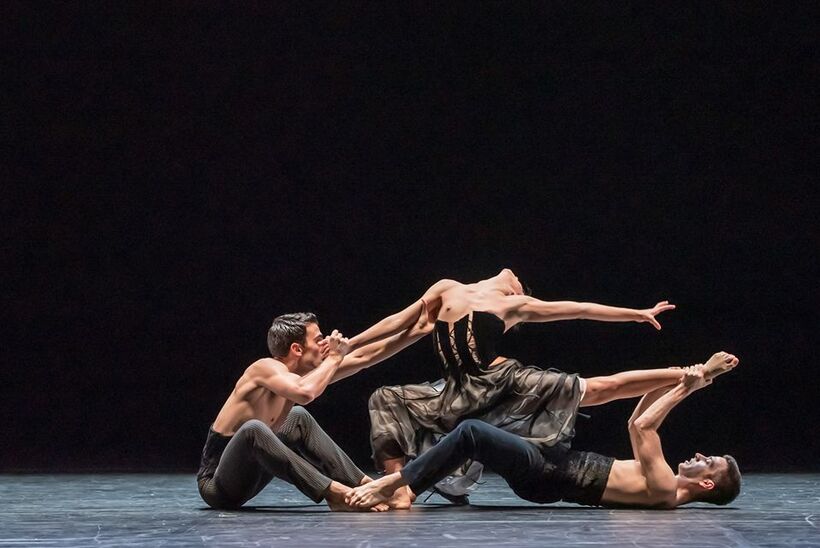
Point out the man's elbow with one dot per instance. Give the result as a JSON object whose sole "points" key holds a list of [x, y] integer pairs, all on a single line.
{"points": [[640, 425], [303, 396]]}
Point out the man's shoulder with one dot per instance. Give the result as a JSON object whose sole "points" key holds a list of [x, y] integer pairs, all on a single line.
{"points": [[664, 498], [266, 366]]}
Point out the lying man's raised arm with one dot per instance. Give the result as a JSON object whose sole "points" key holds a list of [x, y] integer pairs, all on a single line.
{"points": [[648, 399], [643, 434]]}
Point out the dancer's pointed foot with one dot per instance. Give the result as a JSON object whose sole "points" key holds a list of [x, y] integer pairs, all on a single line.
{"points": [[718, 364]]}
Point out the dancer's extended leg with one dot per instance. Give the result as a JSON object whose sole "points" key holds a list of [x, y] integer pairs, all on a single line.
{"points": [[509, 455], [627, 384], [631, 384]]}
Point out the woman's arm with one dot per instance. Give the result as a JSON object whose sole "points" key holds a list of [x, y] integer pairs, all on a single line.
{"points": [[529, 309], [403, 320], [379, 351]]}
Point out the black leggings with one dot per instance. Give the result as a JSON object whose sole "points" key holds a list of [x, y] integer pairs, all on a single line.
{"points": [[525, 468], [300, 452]]}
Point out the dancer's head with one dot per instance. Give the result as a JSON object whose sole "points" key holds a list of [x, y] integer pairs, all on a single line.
{"points": [[710, 479], [297, 337]]}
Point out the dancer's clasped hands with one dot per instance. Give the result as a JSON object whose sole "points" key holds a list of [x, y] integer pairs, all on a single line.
{"points": [[335, 343]]}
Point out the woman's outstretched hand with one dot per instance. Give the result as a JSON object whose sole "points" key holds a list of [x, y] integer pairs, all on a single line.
{"points": [[648, 314]]}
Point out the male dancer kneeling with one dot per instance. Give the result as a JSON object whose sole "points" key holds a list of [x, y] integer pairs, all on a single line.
{"points": [[556, 473], [259, 434]]}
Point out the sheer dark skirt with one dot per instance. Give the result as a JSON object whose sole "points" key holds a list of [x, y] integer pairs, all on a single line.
{"points": [[538, 405]]}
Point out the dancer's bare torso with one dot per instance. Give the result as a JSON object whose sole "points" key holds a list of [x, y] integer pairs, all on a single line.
{"points": [[449, 301], [459, 299], [249, 400], [627, 486]]}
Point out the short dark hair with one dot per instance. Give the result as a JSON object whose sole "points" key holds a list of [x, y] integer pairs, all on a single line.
{"points": [[288, 329], [727, 484]]}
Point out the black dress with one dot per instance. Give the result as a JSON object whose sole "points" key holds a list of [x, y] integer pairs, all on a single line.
{"points": [[538, 405]]}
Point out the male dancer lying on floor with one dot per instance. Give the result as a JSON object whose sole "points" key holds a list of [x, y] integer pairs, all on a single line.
{"points": [[557, 473], [259, 435]]}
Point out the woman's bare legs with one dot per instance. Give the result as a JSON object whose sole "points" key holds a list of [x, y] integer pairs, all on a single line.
{"points": [[631, 384], [627, 384]]}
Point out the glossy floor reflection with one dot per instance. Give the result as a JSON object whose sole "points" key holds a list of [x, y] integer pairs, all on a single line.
{"points": [[153, 510]]}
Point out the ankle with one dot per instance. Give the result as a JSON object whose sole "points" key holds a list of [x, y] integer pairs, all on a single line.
{"points": [[336, 490], [394, 481]]}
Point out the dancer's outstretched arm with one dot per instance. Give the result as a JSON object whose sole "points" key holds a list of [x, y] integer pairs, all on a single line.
{"points": [[379, 351], [528, 309], [403, 320]]}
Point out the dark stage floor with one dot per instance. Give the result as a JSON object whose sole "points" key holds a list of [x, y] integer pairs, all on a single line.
{"points": [[154, 510]]}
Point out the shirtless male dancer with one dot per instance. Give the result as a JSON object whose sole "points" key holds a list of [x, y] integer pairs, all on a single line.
{"points": [[550, 474], [259, 433]]}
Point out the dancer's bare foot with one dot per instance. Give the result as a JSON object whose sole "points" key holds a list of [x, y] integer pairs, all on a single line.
{"points": [[379, 491], [402, 499], [718, 364], [335, 498], [381, 507]]}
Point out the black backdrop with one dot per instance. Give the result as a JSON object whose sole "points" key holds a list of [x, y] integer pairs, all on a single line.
{"points": [[177, 176]]}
